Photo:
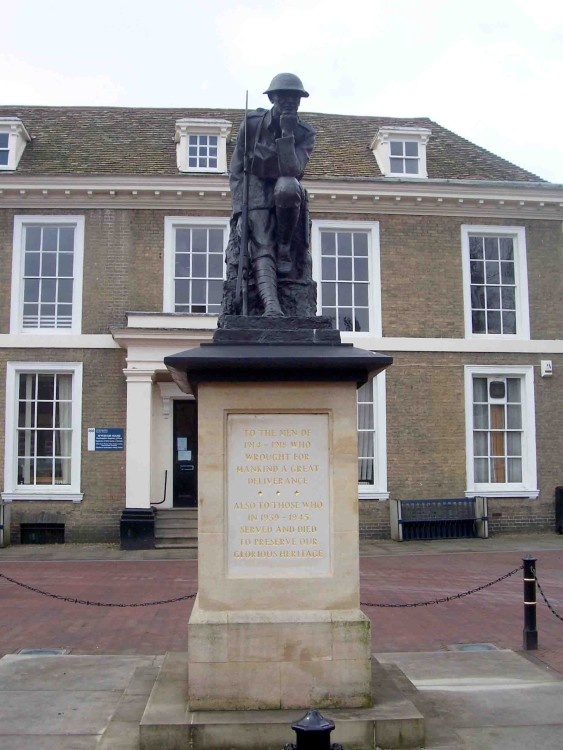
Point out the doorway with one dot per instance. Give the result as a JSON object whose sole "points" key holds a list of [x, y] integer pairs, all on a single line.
{"points": [[184, 489]]}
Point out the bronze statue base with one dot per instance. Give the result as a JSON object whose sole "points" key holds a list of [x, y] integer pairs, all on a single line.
{"points": [[241, 329]]}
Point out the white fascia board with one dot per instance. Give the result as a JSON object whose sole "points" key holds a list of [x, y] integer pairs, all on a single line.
{"points": [[506, 201], [484, 346], [57, 341], [496, 189], [208, 182], [468, 189], [148, 352], [171, 321], [129, 336]]}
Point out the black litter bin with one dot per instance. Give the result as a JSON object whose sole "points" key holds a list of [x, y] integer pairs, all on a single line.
{"points": [[137, 528]]}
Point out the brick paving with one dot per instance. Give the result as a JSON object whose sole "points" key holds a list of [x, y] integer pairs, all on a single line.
{"points": [[393, 574], [30, 620], [494, 615]]}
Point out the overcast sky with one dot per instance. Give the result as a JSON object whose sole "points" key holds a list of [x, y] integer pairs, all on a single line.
{"points": [[490, 70]]}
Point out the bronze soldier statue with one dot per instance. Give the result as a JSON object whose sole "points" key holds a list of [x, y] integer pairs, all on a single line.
{"points": [[278, 146]]}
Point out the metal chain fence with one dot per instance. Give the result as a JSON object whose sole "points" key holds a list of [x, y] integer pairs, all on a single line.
{"points": [[444, 599], [75, 600], [544, 597]]}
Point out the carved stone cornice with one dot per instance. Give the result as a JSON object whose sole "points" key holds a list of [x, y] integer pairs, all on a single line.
{"points": [[209, 195]]}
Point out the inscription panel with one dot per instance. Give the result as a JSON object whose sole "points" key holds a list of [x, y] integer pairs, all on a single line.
{"points": [[278, 495]]}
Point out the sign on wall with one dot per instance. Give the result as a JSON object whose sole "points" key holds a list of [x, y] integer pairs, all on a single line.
{"points": [[105, 439]]}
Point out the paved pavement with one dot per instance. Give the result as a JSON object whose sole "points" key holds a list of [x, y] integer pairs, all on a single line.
{"points": [[422, 640], [74, 702], [493, 700]]}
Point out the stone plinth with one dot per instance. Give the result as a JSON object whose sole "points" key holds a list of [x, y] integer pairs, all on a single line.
{"points": [[253, 659], [393, 720], [277, 623]]}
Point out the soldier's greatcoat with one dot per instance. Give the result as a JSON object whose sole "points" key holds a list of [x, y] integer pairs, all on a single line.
{"points": [[271, 156]]}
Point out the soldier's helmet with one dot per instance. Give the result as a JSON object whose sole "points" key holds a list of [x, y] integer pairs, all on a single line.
{"points": [[286, 82]]}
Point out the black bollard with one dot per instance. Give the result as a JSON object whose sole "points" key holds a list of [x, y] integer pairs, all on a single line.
{"points": [[530, 629], [313, 733]]}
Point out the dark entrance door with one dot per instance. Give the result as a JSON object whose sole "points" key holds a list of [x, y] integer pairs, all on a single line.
{"points": [[185, 454]]}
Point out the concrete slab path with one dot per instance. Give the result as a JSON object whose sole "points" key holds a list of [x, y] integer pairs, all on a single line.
{"points": [[494, 700], [69, 702]]}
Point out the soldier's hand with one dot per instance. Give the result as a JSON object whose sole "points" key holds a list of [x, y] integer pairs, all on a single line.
{"points": [[288, 123]]}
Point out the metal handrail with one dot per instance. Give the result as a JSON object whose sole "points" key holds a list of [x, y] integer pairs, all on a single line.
{"points": [[159, 502]]}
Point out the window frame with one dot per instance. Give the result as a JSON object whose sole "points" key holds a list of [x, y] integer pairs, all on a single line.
{"points": [[198, 146], [381, 148], [374, 270], [518, 235], [404, 157], [378, 490], [13, 490], [528, 487], [21, 222], [202, 126], [171, 223]]}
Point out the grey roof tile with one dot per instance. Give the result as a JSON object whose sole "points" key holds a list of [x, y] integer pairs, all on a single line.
{"points": [[140, 141]]}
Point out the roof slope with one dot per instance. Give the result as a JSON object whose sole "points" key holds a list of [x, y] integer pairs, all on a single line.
{"points": [[135, 141]]}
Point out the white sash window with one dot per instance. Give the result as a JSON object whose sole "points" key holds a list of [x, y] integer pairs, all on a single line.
{"points": [[43, 424], [47, 274]]}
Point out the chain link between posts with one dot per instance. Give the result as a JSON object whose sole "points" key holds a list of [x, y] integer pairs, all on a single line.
{"points": [[445, 599], [73, 600], [544, 597], [441, 600]]}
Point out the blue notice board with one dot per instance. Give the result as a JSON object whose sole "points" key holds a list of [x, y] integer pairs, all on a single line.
{"points": [[106, 439]]}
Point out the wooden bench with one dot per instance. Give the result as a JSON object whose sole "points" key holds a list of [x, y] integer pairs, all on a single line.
{"points": [[448, 518]]}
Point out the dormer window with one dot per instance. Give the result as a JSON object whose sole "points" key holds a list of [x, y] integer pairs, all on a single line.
{"points": [[13, 139], [401, 151], [201, 144]]}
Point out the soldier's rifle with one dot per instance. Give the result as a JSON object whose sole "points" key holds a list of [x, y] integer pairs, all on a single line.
{"points": [[241, 290]]}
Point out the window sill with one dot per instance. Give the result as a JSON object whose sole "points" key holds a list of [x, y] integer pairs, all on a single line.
{"points": [[203, 170], [490, 493], [359, 335], [34, 496], [497, 336], [403, 176], [45, 331], [372, 495]]}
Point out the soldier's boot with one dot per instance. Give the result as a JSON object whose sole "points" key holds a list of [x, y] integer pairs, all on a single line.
{"points": [[286, 220], [285, 263], [266, 280]]}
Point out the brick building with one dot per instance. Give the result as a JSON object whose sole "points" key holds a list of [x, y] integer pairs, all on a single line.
{"points": [[113, 224]]}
